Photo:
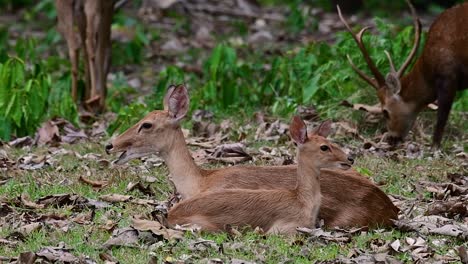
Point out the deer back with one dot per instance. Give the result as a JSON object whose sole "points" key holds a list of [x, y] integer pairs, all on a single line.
{"points": [[365, 205]]}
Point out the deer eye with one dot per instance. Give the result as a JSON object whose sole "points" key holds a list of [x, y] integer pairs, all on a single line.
{"points": [[147, 125], [385, 114], [324, 148]]}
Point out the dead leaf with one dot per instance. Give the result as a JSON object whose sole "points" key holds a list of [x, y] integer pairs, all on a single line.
{"points": [[30, 204], [60, 200], [146, 225], [73, 134], [261, 37], [108, 258], [449, 208], [173, 47], [395, 245], [57, 254], [204, 38], [432, 106], [7, 242], [122, 237], [346, 129], [109, 225], [149, 179], [29, 228], [33, 162], [202, 245], [94, 184], [99, 129], [156, 228], [332, 236], [47, 133], [308, 113], [21, 142], [115, 198], [203, 125], [5, 210], [139, 186], [433, 224], [418, 248], [458, 178], [84, 218], [240, 261], [230, 153], [378, 245]]}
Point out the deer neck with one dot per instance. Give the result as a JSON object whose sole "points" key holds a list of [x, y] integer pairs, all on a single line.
{"points": [[184, 173], [308, 183], [415, 87]]}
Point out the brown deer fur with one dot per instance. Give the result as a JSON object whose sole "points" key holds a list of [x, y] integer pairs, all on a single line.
{"points": [[277, 210], [357, 203], [439, 72]]}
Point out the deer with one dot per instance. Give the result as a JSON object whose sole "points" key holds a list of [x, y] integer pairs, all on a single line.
{"points": [[278, 211], [440, 71], [348, 198]]}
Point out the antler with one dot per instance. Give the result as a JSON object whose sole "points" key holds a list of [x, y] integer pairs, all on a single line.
{"points": [[392, 66], [417, 38], [379, 78]]}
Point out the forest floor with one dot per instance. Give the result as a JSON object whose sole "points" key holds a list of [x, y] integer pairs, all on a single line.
{"points": [[67, 202], [62, 199]]}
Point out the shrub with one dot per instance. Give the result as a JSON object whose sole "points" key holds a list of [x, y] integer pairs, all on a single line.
{"points": [[27, 97]]}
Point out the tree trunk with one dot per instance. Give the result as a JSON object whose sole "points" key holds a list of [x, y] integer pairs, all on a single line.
{"points": [[86, 24]]}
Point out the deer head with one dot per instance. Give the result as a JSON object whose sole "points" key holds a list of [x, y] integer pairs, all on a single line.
{"points": [[399, 114], [155, 133], [315, 149]]}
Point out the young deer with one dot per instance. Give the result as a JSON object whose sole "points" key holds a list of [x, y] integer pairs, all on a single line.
{"points": [[440, 71], [275, 211], [159, 133]]}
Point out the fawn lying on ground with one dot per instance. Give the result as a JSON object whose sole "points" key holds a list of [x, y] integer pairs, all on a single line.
{"points": [[440, 71], [274, 210], [348, 199]]}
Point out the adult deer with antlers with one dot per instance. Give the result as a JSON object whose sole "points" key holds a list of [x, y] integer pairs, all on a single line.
{"points": [[438, 73], [277, 210], [348, 199]]}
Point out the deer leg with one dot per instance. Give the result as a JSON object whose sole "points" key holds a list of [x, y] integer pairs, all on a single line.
{"points": [[445, 96], [284, 227]]}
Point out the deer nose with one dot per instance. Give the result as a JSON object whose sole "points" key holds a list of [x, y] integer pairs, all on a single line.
{"points": [[108, 148], [351, 159]]}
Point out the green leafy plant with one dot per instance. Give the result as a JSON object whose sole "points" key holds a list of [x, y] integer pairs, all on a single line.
{"points": [[23, 98], [296, 19], [128, 116], [60, 102], [317, 74], [118, 93], [27, 97], [129, 51]]}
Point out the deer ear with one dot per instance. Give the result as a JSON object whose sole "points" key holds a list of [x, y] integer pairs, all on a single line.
{"points": [[323, 129], [177, 102], [393, 83], [298, 130], [167, 96]]}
